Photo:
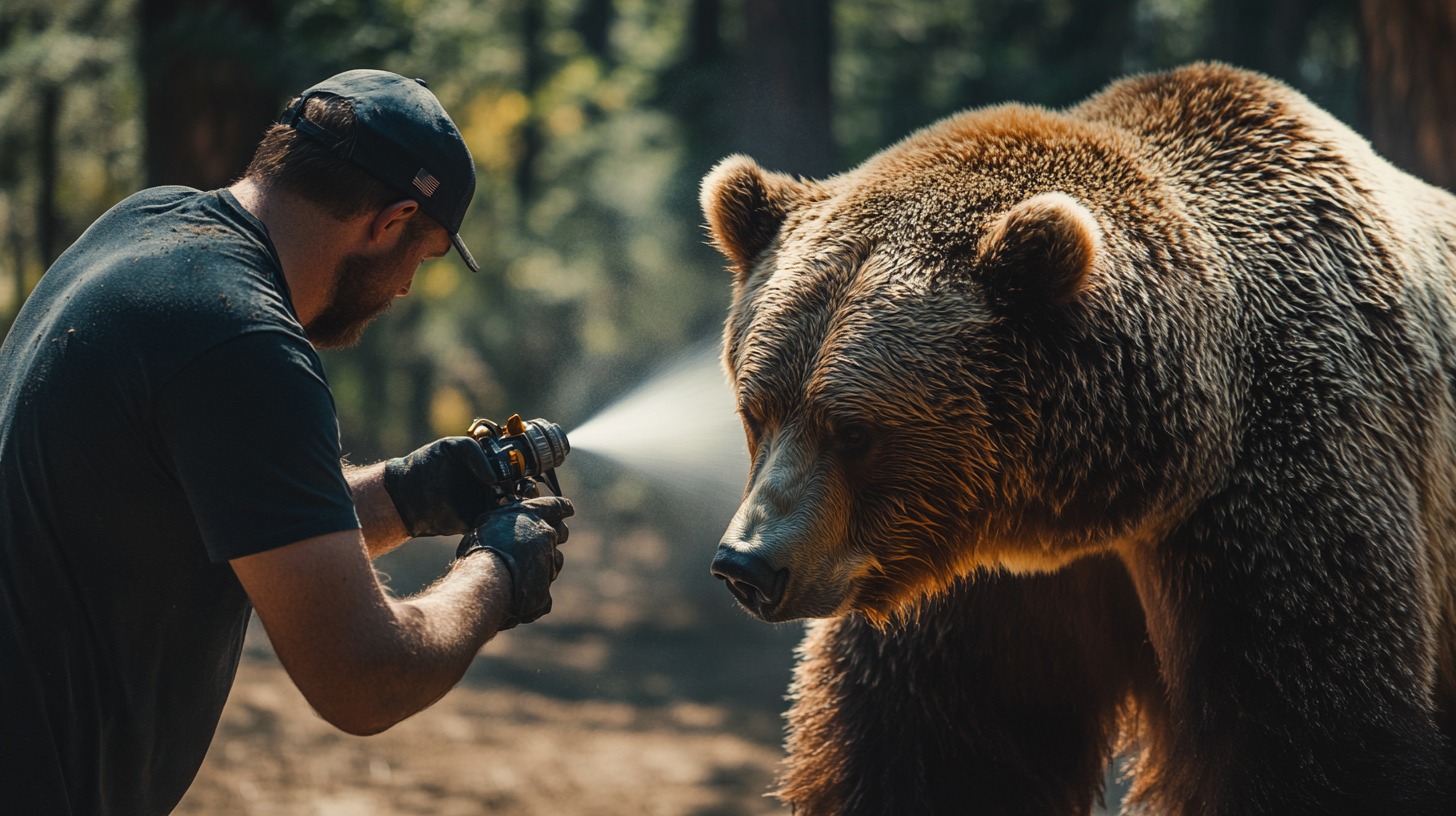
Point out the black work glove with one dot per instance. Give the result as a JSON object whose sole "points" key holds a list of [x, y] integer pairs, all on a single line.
{"points": [[440, 488], [524, 534]]}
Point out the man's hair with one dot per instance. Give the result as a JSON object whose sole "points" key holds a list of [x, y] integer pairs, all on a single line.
{"points": [[289, 161]]}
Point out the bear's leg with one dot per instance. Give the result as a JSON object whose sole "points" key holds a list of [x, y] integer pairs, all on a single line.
{"points": [[1000, 697], [1298, 656]]}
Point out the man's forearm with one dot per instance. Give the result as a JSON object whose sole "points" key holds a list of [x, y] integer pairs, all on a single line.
{"points": [[383, 530], [363, 659], [437, 634]]}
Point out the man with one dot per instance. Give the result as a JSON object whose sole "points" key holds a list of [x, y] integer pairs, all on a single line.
{"points": [[169, 457]]}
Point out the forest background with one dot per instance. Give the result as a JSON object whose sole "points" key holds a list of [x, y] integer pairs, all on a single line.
{"points": [[592, 122]]}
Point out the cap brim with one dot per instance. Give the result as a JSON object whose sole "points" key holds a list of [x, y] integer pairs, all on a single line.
{"points": [[464, 253]]}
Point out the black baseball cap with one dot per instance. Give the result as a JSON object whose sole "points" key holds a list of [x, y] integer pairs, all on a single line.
{"points": [[404, 138]]}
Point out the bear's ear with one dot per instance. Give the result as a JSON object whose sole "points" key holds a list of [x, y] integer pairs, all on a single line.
{"points": [[1041, 252], [745, 206]]}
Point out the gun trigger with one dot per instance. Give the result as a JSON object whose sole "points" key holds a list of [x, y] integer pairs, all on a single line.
{"points": [[483, 429]]}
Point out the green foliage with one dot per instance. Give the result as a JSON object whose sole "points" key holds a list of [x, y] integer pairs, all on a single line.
{"points": [[68, 89]]}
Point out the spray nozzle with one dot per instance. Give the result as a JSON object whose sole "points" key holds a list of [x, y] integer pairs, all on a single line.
{"points": [[521, 453]]}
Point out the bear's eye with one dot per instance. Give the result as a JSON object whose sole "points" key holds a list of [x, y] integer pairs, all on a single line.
{"points": [[853, 439]]}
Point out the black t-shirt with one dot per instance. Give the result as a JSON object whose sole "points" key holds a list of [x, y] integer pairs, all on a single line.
{"points": [[161, 412]]}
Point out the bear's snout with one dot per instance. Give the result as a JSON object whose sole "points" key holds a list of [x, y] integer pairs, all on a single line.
{"points": [[752, 580]]}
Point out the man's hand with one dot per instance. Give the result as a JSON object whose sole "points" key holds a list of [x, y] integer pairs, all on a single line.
{"points": [[524, 535], [440, 488]]}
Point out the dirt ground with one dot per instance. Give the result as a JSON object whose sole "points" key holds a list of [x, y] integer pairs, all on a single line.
{"points": [[616, 703]]}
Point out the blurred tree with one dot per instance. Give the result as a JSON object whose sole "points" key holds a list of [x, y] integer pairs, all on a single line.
{"points": [[1090, 41], [63, 70], [593, 21], [47, 170], [1410, 84], [211, 89], [784, 85], [906, 63], [692, 89], [1311, 44], [1262, 35], [533, 69]]}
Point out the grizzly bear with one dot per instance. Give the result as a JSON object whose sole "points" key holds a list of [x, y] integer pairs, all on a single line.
{"points": [[1126, 429]]}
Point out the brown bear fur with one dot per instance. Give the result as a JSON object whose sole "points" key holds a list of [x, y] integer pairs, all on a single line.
{"points": [[1125, 427]]}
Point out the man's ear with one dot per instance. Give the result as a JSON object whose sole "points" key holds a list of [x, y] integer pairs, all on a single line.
{"points": [[745, 206], [1040, 252], [390, 221]]}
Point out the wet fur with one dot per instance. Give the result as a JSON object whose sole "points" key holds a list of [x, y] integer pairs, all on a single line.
{"points": [[1200, 486]]}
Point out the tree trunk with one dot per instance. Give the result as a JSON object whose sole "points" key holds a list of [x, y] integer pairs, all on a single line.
{"points": [[593, 21], [704, 34], [1410, 84], [47, 157], [1263, 35], [210, 84], [692, 88], [20, 283], [533, 72], [785, 58]]}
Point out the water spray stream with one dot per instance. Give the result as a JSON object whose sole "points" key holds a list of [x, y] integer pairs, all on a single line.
{"points": [[678, 426]]}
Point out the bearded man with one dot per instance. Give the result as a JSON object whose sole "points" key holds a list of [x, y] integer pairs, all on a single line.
{"points": [[170, 460]]}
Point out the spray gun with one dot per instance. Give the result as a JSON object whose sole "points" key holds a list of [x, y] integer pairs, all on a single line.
{"points": [[521, 453]]}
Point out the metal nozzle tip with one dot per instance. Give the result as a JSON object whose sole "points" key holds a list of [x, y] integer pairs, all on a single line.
{"points": [[548, 442]]}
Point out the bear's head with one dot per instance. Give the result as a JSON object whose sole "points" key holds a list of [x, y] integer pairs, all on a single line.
{"points": [[948, 360]]}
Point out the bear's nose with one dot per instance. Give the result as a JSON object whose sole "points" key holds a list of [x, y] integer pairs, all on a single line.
{"points": [[752, 580]]}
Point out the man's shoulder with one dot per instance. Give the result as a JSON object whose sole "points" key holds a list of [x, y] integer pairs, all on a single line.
{"points": [[151, 212], [165, 222], [164, 194], [169, 248], [164, 275]]}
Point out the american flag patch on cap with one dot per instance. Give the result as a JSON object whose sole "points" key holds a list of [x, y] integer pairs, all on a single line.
{"points": [[426, 183]]}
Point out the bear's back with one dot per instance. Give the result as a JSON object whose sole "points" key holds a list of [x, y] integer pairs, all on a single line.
{"points": [[1259, 157]]}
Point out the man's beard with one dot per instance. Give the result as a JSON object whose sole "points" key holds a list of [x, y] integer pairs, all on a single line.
{"points": [[361, 292]]}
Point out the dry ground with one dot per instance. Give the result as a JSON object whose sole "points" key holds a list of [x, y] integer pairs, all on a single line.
{"points": [[613, 704]]}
